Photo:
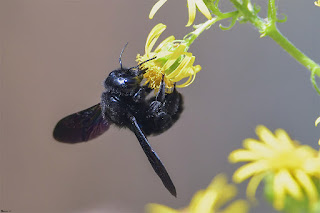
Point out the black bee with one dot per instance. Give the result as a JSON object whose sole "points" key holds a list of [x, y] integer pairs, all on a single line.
{"points": [[124, 103]]}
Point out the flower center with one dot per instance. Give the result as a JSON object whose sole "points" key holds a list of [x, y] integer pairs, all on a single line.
{"points": [[288, 159]]}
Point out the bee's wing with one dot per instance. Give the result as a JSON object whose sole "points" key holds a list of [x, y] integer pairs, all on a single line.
{"points": [[81, 126], [153, 157]]}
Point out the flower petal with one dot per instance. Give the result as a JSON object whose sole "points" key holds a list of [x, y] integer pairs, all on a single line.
{"points": [[164, 42], [203, 8], [175, 55], [185, 69], [225, 195], [153, 37], [258, 147], [279, 192], [156, 7], [243, 155], [225, 191], [219, 182], [179, 72], [284, 138], [308, 185], [312, 166], [239, 206], [317, 121], [207, 202], [253, 185], [266, 136], [188, 82], [195, 200], [197, 68], [248, 170], [291, 185], [192, 12]]}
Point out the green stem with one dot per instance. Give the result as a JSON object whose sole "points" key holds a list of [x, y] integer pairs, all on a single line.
{"points": [[268, 28], [249, 14], [193, 35], [293, 51]]}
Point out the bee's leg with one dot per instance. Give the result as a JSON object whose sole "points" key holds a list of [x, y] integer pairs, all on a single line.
{"points": [[152, 155], [159, 118], [174, 104], [162, 92], [165, 109], [156, 105], [141, 94]]}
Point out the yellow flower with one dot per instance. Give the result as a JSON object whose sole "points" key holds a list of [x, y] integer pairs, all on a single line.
{"points": [[209, 200], [317, 3], [284, 159], [192, 5], [172, 60]]}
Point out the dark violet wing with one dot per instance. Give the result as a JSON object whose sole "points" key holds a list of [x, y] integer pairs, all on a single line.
{"points": [[81, 126], [153, 157]]}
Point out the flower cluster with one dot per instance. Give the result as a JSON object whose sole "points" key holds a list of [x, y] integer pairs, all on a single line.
{"points": [[209, 200], [290, 166], [172, 61]]}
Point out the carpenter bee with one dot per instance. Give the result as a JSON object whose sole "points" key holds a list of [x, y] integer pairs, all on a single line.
{"points": [[124, 103]]}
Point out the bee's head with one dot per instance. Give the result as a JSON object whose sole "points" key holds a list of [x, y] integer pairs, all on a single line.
{"points": [[124, 81]]}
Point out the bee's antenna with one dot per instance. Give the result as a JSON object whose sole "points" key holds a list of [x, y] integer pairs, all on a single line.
{"points": [[120, 61], [143, 63]]}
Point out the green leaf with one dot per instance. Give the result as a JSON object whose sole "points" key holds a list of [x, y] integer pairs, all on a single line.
{"points": [[232, 23]]}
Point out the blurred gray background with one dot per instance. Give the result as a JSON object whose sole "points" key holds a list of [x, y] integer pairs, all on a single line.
{"points": [[54, 57]]}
